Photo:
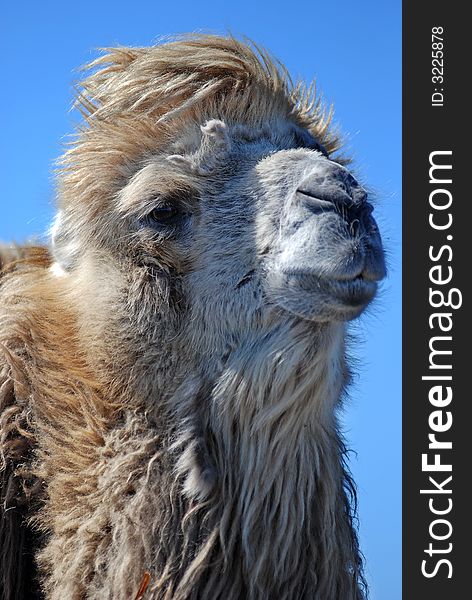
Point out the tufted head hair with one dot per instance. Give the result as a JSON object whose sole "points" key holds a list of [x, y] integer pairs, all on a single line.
{"points": [[136, 102], [200, 76]]}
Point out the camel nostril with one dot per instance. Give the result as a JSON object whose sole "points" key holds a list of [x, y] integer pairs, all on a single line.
{"points": [[324, 197], [314, 203], [333, 183]]}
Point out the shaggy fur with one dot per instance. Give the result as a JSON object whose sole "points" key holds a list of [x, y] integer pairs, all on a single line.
{"points": [[168, 428]]}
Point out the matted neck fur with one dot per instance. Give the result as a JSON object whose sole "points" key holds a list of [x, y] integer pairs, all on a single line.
{"points": [[171, 368]]}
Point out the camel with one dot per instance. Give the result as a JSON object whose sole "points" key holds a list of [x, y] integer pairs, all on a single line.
{"points": [[172, 365]]}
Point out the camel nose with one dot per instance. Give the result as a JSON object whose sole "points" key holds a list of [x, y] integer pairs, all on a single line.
{"points": [[330, 185]]}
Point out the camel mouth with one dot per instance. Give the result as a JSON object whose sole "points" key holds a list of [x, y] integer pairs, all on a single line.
{"points": [[352, 291], [320, 297]]}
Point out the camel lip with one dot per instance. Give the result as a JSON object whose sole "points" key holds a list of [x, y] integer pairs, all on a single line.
{"points": [[353, 292], [356, 292]]}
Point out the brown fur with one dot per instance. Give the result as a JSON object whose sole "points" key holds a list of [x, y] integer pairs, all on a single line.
{"points": [[219, 483]]}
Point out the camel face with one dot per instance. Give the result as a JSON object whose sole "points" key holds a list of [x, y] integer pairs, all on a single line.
{"points": [[243, 222]]}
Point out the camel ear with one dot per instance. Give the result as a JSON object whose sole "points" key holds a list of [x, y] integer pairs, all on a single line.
{"points": [[17, 540]]}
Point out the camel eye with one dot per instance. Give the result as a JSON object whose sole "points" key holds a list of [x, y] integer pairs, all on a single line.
{"points": [[163, 215], [170, 213]]}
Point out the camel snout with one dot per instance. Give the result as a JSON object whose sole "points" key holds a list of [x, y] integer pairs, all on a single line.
{"points": [[330, 186]]}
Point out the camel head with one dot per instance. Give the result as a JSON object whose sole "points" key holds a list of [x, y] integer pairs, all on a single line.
{"points": [[204, 190], [188, 355]]}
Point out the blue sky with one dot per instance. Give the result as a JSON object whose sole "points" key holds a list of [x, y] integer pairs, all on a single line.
{"points": [[354, 50]]}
